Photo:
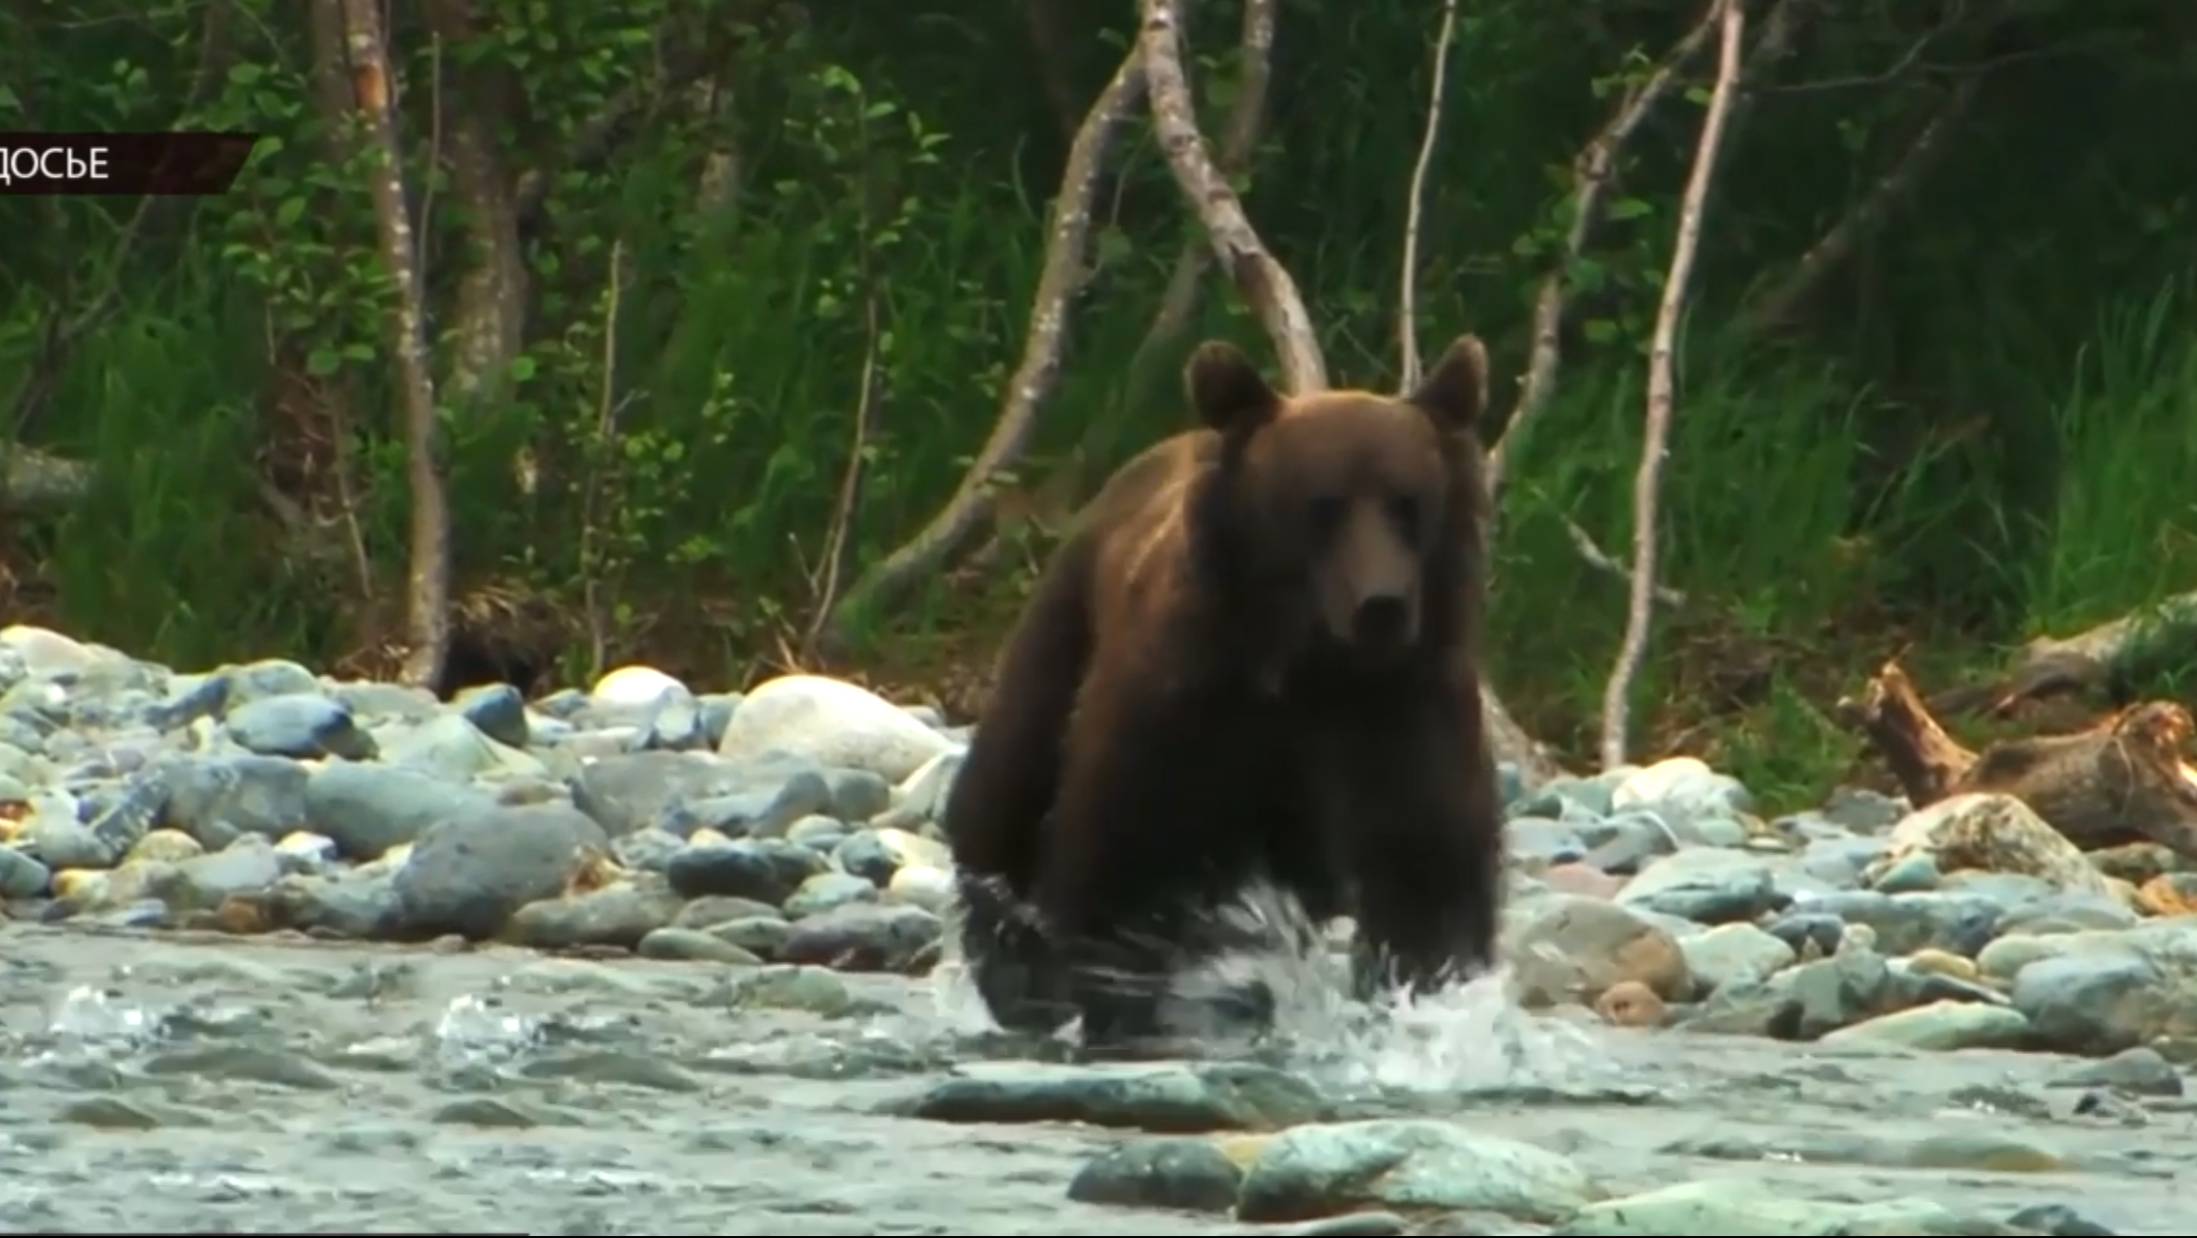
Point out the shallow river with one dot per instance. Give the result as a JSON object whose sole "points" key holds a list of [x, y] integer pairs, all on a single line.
{"points": [[179, 1082]]}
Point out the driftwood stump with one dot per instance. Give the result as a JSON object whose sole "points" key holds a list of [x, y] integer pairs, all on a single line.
{"points": [[2122, 780]]}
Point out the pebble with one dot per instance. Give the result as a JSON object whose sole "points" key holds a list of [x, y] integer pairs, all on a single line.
{"points": [[2097, 1003], [21, 876], [827, 891], [368, 809]]}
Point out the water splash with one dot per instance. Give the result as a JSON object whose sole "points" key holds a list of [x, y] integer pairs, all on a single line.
{"points": [[1468, 1035], [474, 1030], [94, 1019]]}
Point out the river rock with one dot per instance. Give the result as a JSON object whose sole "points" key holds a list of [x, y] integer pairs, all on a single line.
{"points": [[367, 809], [619, 914], [780, 986], [301, 725], [1173, 1099], [763, 936], [1845, 989], [1734, 953], [215, 799], [1708, 885], [497, 710], [693, 945], [468, 874], [879, 853], [650, 849], [1993, 832], [920, 885], [632, 687], [1940, 1026], [1418, 1164], [711, 910], [1741, 1206], [857, 794], [766, 870], [1904, 923], [1179, 1172], [64, 842], [831, 722], [1581, 947], [1685, 788], [922, 795], [21, 876], [2169, 894], [357, 904], [247, 866], [450, 747], [827, 891], [165, 847], [683, 791], [863, 937], [2100, 1002]]}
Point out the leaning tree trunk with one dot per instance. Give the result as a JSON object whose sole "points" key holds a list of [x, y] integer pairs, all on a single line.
{"points": [[427, 598]]}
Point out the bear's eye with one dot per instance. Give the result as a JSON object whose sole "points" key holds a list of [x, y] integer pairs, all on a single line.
{"points": [[1404, 510], [1327, 513]]}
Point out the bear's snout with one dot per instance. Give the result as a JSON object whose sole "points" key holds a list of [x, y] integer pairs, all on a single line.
{"points": [[1383, 621]]}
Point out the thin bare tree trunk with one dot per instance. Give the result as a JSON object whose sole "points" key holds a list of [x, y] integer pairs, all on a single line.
{"points": [[1063, 275], [1265, 283], [427, 609], [1648, 481], [493, 288], [1407, 307], [1591, 171]]}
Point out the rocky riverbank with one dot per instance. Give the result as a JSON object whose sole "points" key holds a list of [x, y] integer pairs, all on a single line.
{"points": [[290, 951]]}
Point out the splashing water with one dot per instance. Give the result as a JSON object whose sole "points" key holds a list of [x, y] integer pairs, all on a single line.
{"points": [[474, 1029], [1463, 1036], [94, 1019]]}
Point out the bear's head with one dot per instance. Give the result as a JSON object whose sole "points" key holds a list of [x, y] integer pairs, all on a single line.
{"points": [[1350, 519]]}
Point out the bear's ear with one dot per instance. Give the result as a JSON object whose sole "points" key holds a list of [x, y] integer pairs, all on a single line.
{"points": [[1226, 390], [1455, 391]]}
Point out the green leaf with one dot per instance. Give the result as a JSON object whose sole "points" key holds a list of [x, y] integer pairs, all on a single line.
{"points": [[322, 362], [522, 368], [291, 210], [1628, 208], [245, 74], [1600, 330]]}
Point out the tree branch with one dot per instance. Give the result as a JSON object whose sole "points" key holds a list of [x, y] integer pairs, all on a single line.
{"points": [[1063, 275], [493, 287], [1591, 171], [1784, 302], [1264, 282], [1649, 479], [1238, 141], [1407, 310]]}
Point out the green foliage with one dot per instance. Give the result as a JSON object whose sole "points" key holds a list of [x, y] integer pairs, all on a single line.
{"points": [[1982, 434]]}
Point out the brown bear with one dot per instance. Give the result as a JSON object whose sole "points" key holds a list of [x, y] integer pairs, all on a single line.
{"points": [[1254, 655]]}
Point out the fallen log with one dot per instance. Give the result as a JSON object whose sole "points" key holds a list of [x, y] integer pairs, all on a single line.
{"points": [[2121, 780], [36, 481]]}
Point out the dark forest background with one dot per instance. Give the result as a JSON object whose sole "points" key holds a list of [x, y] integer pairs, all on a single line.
{"points": [[679, 264]]}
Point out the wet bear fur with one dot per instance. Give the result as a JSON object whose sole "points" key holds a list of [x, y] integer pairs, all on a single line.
{"points": [[1253, 656]]}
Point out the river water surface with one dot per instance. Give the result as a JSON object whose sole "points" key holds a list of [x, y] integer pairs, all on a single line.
{"points": [[175, 1082]]}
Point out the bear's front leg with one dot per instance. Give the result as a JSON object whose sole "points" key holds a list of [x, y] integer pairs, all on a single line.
{"points": [[1426, 826], [1163, 800]]}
